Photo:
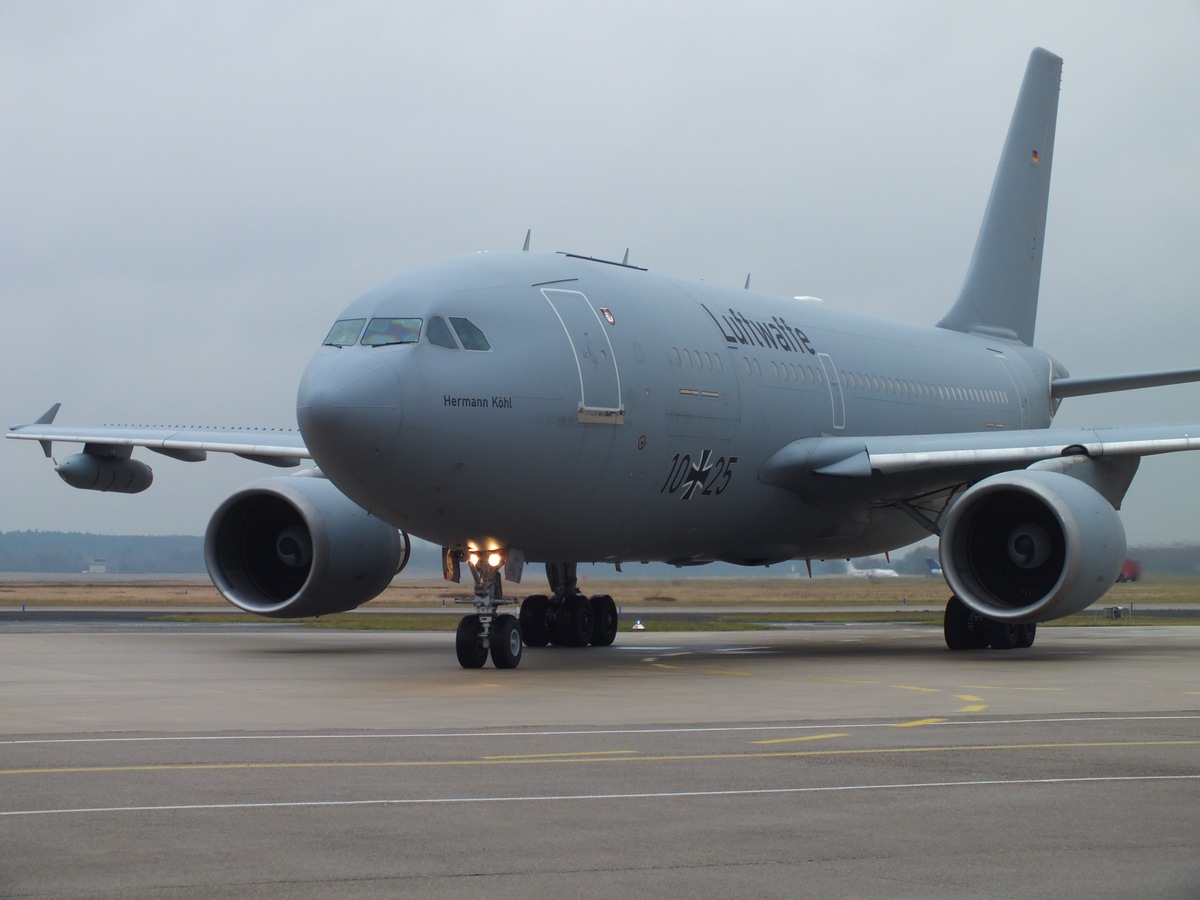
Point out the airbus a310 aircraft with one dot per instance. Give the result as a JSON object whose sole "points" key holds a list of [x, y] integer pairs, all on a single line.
{"points": [[518, 407]]}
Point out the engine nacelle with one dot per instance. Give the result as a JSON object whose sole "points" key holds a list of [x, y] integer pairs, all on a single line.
{"points": [[89, 472], [296, 546], [1031, 546]]}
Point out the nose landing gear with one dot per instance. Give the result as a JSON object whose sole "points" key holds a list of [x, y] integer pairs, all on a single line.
{"points": [[487, 631]]}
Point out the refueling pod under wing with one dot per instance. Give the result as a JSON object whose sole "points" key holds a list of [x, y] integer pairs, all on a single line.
{"points": [[92, 472]]}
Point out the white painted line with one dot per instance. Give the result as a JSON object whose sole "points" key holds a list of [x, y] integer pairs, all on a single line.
{"points": [[687, 729], [558, 798]]}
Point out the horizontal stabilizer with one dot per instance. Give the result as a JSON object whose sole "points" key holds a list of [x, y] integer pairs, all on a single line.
{"points": [[1062, 388]]}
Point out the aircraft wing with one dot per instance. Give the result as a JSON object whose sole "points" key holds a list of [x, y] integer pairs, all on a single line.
{"points": [[276, 447], [923, 462]]}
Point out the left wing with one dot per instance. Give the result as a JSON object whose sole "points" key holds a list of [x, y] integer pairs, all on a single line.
{"points": [[276, 447], [900, 466]]}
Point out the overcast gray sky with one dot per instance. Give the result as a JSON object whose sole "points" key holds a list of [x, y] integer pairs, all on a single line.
{"points": [[191, 191]]}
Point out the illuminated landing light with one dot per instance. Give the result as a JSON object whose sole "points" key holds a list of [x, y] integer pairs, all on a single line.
{"points": [[495, 559]]}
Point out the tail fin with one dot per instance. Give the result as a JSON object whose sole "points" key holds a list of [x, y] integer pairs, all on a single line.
{"points": [[1000, 293]]}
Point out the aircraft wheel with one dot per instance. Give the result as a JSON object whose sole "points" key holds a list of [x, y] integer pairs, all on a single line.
{"points": [[962, 627], [1026, 634], [1002, 635], [506, 642], [533, 620], [604, 620], [469, 644], [574, 621]]}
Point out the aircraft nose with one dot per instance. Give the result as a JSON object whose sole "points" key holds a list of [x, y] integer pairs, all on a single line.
{"points": [[348, 408]]}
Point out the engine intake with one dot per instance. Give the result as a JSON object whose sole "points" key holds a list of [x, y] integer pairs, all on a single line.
{"points": [[295, 546], [1031, 546]]}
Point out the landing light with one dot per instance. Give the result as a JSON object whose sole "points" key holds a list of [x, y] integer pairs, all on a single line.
{"points": [[495, 559]]}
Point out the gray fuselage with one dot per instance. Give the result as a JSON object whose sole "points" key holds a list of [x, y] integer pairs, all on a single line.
{"points": [[641, 401]]}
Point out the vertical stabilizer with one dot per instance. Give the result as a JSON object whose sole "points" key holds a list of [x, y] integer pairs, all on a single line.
{"points": [[1000, 293]]}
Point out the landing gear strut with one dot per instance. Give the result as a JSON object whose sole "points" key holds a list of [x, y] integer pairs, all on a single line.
{"points": [[487, 631], [966, 629]]}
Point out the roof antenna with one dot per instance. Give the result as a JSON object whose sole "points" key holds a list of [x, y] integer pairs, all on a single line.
{"points": [[528, 232], [747, 287], [625, 261]]}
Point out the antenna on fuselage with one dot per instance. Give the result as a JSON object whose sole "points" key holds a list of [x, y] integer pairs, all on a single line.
{"points": [[525, 248], [747, 287], [625, 261]]}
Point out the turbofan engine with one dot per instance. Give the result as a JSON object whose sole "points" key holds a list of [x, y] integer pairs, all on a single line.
{"points": [[1031, 546], [296, 546]]}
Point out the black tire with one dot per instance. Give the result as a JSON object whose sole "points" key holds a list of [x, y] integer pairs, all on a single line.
{"points": [[469, 644], [604, 620], [534, 629], [506, 642], [956, 626], [1002, 635], [574, 622], [1026, 635]]}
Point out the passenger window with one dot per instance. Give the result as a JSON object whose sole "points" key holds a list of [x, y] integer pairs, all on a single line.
{"points": [[469, 334], [384, 332], [344, 333], [438, 333]]}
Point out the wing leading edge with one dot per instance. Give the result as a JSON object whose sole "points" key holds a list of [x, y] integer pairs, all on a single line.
{"points": [[274, 447], [964, 457]]}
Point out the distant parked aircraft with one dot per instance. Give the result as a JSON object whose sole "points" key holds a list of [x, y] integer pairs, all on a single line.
{"points": [[872, 574]]}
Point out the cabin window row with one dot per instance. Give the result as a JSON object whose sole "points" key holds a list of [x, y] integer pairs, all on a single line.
{"points": [[800, 373], [900, 387], [854, 381], [696, 359]]}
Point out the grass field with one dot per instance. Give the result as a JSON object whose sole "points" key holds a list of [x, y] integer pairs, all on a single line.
{"points": [[713, 604]]}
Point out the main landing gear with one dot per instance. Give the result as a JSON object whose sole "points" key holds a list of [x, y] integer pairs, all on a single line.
{"points": [[966, 629], [566, 618]]}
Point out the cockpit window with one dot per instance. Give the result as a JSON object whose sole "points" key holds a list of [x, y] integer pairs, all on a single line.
{"points": [[344, 332], [469, 334], [438, 333], [382, 332]]}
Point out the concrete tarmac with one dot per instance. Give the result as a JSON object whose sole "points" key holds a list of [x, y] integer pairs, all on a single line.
{"points": [[827, 761]]}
